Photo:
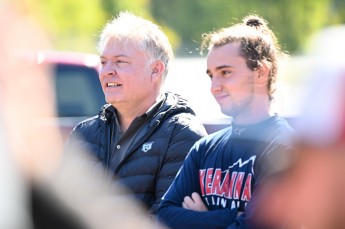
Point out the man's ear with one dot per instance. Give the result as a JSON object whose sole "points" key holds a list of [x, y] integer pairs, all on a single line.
{"points": [[263, 73], [158, 68]]}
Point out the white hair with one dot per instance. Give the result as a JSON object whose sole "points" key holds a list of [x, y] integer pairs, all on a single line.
{"points": [[148, 37]]}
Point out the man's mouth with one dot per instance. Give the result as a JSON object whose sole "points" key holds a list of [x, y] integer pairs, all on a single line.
{"points": [[113, 84]]}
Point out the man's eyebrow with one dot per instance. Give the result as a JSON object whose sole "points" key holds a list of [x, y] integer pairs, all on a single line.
{"points": [[117, 56], [223, 66], [219, 68]]}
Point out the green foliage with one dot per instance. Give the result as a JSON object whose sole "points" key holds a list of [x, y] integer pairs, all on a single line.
{"points": [[75, 25], [72, 25], [299, 20], [141, 8], [112, 7], [291, 20]]}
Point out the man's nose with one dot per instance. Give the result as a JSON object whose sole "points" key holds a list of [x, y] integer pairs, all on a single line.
{"points": [[108, 69], [216, 85]]}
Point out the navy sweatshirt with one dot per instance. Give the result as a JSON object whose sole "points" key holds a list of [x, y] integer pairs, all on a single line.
{"points": [[225, 168]]}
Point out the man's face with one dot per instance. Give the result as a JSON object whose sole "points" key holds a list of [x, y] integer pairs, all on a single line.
{"points": [[125, 75], [232, 81]]}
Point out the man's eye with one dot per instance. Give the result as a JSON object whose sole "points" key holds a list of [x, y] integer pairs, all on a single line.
{"points": [[226, 72], [121, 61], [103, 62]]}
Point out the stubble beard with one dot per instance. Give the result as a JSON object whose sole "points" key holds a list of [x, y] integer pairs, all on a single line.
{"points": [[240, 108]]}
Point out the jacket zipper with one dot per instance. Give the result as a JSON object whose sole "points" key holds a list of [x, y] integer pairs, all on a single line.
{"points": [[110, 146]]}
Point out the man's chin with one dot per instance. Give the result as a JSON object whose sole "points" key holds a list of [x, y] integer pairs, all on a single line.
{"points": [[112, 100], [228, 112]]}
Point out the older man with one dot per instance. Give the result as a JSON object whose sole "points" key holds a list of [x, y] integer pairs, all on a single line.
{"points": [[142, 135]]}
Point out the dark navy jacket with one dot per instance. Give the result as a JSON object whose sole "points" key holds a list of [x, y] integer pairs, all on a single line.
{"points": [[151, 163], [225, 169]]}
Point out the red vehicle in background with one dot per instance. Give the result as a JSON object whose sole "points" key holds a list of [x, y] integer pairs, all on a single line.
{"points": [[78, 91]]}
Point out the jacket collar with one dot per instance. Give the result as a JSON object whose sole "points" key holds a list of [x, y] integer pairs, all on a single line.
{"points": [[168, 104]]}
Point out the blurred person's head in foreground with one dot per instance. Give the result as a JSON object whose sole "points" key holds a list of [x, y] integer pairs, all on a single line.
{"points": [[311, 193], [25, 100]]}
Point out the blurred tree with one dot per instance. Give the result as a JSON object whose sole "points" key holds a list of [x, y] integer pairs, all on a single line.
{"points": [[75, 25], [337, 12], [298, 20], [291, 20], [142, 8], [72, 25], [112, 7]]}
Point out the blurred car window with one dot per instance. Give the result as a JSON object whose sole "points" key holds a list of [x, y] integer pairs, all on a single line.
{"points": [[78, 91]]}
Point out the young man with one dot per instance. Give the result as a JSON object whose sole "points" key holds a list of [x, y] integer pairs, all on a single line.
{"points": [[215, 186], [142, 135]]}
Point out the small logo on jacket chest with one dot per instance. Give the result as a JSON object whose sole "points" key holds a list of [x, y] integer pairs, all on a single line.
{"points": [[146, 146]]}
